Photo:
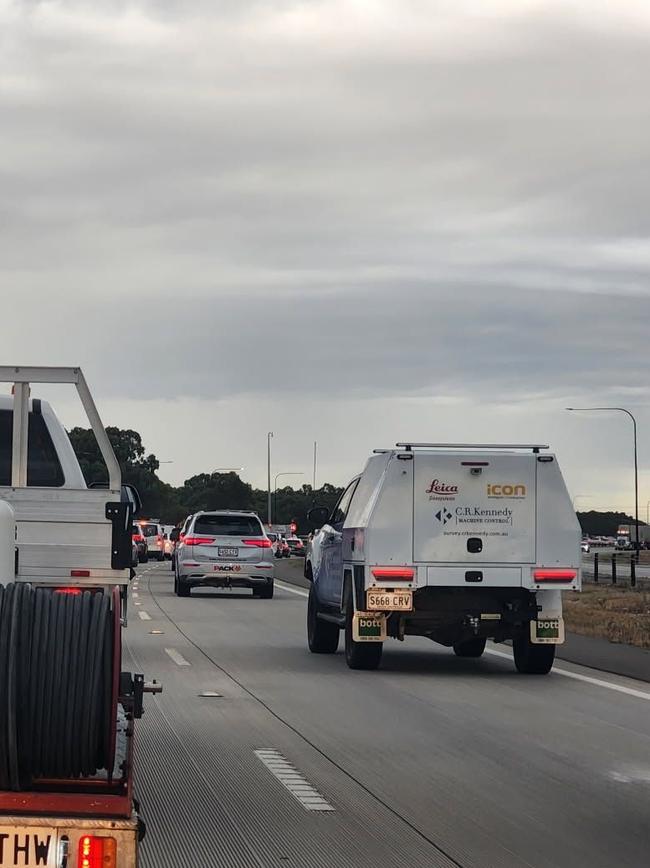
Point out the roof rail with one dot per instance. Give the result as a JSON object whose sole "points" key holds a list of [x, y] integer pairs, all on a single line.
{"points": [[534, 446]]}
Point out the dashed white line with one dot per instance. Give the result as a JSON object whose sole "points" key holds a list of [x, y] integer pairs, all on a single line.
{"points": [[144, 616], [178, 658], [292, 780]]}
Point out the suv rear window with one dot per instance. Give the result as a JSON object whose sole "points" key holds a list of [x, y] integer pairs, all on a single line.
{"points": [[149, 529], [228, 525], [43, 465]]}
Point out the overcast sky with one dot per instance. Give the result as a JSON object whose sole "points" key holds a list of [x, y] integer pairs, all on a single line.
{"points": [[350, 221]]}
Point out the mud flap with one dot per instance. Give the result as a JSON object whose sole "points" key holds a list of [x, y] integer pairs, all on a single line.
{"points": [[369, 627], [547, 631]]}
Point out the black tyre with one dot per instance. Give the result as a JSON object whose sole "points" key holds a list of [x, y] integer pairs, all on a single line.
{"points": [[358, 655], [265, 593], [322, 636], [470, 648], [160, 556], [182, 588], [531, 659], [144, 558]]}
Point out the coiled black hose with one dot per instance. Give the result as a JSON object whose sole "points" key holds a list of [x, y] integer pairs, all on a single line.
{"points": [[56, 676]]}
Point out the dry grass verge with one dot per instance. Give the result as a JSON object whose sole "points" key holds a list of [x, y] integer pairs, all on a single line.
{"points": [[617, 614]]}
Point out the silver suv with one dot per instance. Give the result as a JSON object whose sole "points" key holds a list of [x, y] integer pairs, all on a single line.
{"points": [[224, 549]]}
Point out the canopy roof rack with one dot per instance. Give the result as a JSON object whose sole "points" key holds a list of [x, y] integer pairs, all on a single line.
{"points": [[477, 446]]}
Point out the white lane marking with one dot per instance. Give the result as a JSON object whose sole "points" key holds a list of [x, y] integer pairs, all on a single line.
{"points": [[291, 590], [135, 594], [588, 679], [597, 682], [178, 659], [292, 780], [143, 615]]}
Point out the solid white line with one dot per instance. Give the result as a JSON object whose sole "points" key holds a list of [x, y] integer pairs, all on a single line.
{"points": [[178, 658], [291, 590], [143, 615], [597, 682], [293, 781], [587, 679]]}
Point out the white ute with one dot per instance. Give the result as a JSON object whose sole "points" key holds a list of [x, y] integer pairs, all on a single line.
{"points": [[459, 543]]}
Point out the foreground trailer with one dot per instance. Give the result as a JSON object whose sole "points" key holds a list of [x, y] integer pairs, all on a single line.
{"points": [[67, 713]]}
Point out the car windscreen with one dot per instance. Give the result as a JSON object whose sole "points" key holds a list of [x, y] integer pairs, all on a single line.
{"points": [[43, 465], [149, 529], [228, 525]]}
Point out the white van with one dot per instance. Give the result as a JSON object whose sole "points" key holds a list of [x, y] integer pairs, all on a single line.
{"points": [[458, 543]]}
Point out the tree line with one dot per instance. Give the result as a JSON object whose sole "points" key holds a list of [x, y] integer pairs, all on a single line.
{"points": [[172, 504]]}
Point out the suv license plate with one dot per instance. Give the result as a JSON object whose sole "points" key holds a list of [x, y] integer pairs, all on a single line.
{"points": [[227, 552], [28, 846], [389, 601]]}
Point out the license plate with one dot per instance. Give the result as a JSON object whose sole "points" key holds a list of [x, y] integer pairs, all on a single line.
{"points": [[389, 601], [226, 552], [27, 847], [547, 631]]}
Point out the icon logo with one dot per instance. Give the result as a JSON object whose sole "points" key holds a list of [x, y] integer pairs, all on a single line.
{"points": [[444, 516], [508, 490]]}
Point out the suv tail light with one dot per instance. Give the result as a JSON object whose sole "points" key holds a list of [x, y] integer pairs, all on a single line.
{"points": [[394, 574], [137, 537], [560, 575], [260, 543], [198, 540], [96, 852]]}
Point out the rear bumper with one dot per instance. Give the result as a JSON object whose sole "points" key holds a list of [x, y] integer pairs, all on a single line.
{"points": [[226, 575]]}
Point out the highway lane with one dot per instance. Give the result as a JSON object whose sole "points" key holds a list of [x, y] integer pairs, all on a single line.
{"points": [[431, 761]]}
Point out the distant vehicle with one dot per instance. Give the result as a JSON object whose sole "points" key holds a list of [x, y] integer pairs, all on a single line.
{"points": [[168, 544], [282, 549], [141, 543], [222, 549], [296, 546], [153, 534], [459, 544]]}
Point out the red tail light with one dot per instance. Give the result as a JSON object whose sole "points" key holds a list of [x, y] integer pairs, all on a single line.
{"points": [[137, 537], [394, 574], [96, 852], [260, 543], [198, 540], [554, 575], [73, 592], [80, 574]]}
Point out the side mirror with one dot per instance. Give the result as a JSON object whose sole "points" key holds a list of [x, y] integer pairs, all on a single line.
{"points": [[174, 534], [318, 515], [130, 495]]}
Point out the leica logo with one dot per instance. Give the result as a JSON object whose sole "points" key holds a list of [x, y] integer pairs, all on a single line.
{"points": [[438, 487]]}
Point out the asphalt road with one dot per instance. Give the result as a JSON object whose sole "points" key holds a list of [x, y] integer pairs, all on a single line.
{"points": [[430, 761]]}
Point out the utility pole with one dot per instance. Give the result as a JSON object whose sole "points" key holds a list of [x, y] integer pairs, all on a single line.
{"points": [[268, 505], [313, 487]]}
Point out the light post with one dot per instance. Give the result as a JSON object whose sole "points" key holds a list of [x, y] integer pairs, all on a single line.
{"points": [[275, 483], [636, 463], [313, 487], [647, 512], [268, 503]]}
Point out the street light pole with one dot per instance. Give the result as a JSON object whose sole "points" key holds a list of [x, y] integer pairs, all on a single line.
{"points": [[275, 483], [268, 504], [636, 464], [313, 487]]}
